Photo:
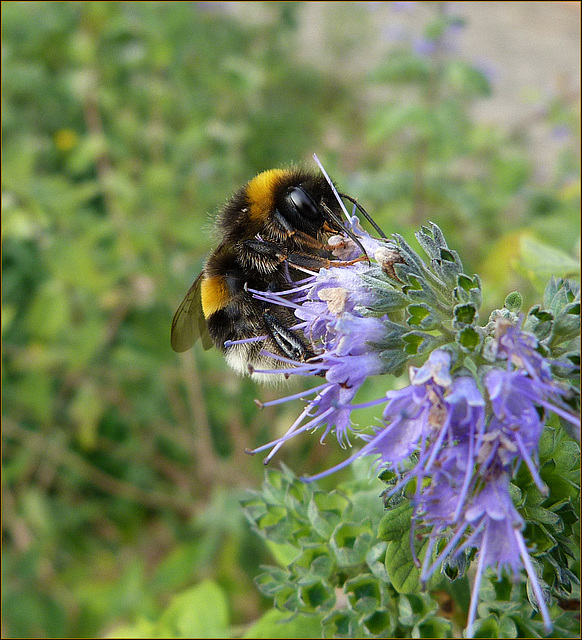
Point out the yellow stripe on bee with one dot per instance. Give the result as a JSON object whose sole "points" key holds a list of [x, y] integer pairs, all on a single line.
{"points": [[214, 295], [260, 193]]}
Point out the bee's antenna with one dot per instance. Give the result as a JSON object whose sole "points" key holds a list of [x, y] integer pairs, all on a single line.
{"points": [[366, 214], [352, 200], [332, 187]]}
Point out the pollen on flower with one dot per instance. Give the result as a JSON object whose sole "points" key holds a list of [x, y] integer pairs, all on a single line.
{"points": [[342, 247], [336, 298], [437, 414], [501, 326]]}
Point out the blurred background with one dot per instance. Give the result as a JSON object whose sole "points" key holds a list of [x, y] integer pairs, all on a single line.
{"points": [[125, 126]]}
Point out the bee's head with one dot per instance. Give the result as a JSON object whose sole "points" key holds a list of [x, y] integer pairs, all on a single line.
{"points": [[299, 203]]}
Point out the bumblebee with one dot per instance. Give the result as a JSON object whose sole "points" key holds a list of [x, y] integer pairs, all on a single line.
{"points": [[271, 229]]}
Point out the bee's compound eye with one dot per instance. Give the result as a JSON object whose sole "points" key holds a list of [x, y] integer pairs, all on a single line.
{"points": [[303, 203]]}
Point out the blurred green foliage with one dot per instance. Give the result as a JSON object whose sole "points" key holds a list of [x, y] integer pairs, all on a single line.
{"points": [[124, 126]]}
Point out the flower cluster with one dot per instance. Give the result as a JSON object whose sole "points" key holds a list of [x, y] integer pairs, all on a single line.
{"points": [[472, 413]]}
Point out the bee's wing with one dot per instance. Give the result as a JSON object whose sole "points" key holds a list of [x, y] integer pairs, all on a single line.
{"points": [[189, 323]]}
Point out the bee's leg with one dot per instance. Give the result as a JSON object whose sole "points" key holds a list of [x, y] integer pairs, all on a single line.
{"points": [[300, 260], [271, 255], [309, 241], [289, 343]]}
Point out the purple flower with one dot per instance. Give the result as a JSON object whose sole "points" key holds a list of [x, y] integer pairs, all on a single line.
{"points": [[347, 361], [497, 535], [464, 463], [466, 499], [349, 280], [516, 425], [436, 368], [441, 420], [520, 350], [517, 393], [443, 497], [411, 415]]}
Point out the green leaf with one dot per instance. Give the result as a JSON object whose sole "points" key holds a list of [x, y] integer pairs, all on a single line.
{"points": [[435, 628], [49, 314], [276, 624], [318, 596], [546, 517], [465, 314], [199, 612], [543, 260], [429, 244], [341, 624], [566, 325], [559, 293], [273, 580], [460, 591], [507, 627], [364, 593], [312, 564], [413, 263], [393, 338], [393, 360], [414, 608], [539, 322], [284, 553], [387, 301], [379, 622], [350, 543], [375, 559], [486, 627], [464, 282], [418, 342], [396, 522], [319, 524], [403, 573], [141, 629], [447, 268], [422, 316], [332, 505], [469, 339], [513, 301]]}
